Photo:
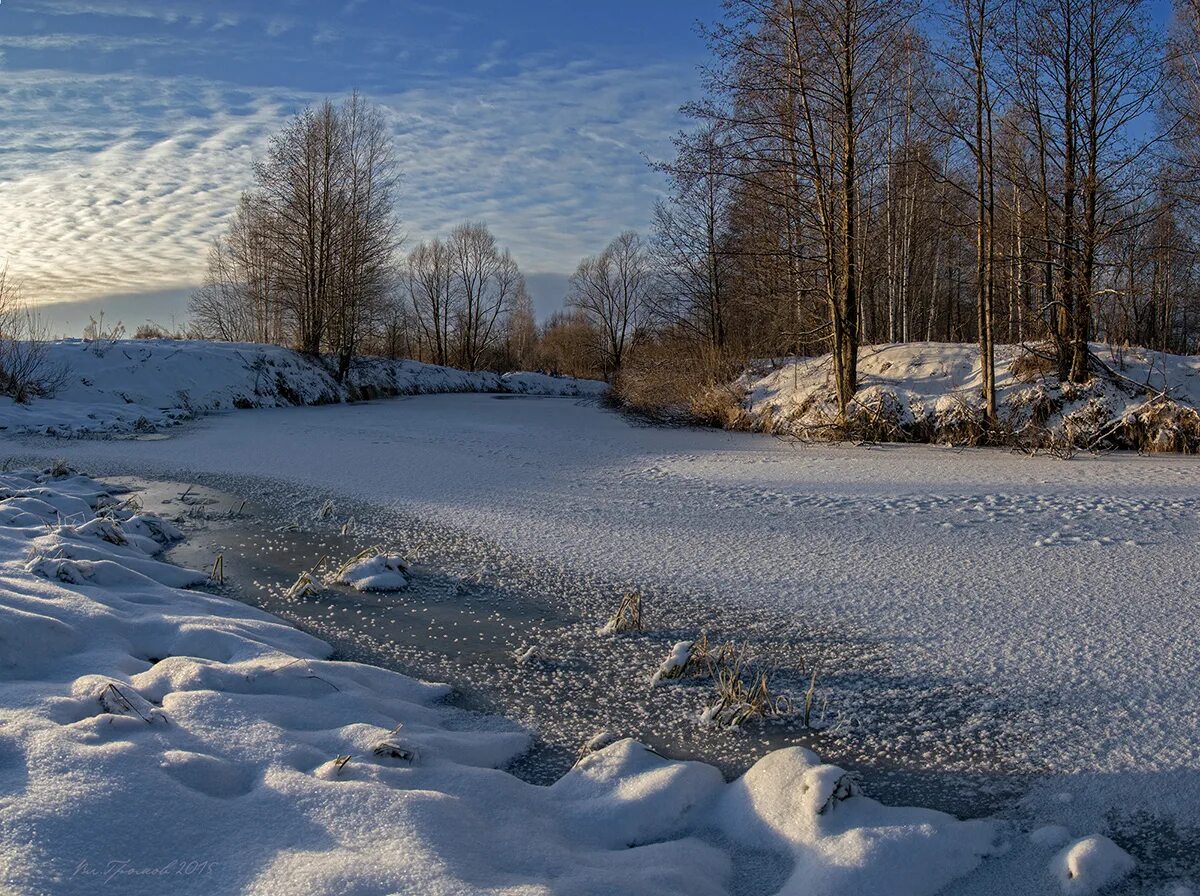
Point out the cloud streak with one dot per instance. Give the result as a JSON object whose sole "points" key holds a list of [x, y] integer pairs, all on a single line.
{"points": [[117, 183]]}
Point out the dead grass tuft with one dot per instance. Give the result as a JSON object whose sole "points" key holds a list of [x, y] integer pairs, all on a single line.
{"points": [[743, 694], [628, 617]]}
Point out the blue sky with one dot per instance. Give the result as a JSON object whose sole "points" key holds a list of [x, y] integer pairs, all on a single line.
{"points": [[127, 127]]}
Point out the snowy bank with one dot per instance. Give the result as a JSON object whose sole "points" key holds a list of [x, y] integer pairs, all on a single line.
{"points": [[131, 386], [166, 740], [932, 392]]}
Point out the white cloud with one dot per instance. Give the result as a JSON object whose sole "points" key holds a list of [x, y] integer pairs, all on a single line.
{"points": [[326, 34], [277, 25], [118, 184], [110, 186]]}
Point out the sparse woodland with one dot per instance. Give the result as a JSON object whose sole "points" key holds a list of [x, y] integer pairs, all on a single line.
{"points": [[990, 171], [859, 172]]}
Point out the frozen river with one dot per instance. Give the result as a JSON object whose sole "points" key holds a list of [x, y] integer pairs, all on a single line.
{"points": [[970, 612]]}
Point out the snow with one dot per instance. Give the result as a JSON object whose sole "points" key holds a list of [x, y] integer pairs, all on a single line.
{"points": [[930, 386], [1090, 864], [1029, 619], [165, 740], [1051, 835], [843, 843], [139, 386], [673, 665], [381, 572]]}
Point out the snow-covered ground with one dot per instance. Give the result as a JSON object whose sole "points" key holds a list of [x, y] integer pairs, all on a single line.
{"points": [[933, 391], [138, 386], [1032, 617], [157, 740]]}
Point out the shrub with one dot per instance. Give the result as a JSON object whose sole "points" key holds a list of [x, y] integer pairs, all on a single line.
{"points": [[26, 371], [673, 381], [1033, 364]]}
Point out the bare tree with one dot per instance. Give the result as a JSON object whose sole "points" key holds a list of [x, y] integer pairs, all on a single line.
{"points": [[309, 258], [613, 289], [240, 299], [299, 181], [434, 300], [690, 240], [486, 281], [806, 85], [520, 332], [968, 112], [367, 235], [1089, 72], [569, 344]]}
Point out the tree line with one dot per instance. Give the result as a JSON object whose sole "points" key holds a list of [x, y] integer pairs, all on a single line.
{"points": [[313, 259], [860, 171], [868, 171]]}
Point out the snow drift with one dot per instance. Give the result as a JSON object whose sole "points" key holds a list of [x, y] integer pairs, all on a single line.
{"points": [[129, 386], [932, 392], [165, 740]]}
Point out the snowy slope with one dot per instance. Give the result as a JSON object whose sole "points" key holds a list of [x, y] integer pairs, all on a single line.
{"points": [[930, 391], [156, 740], [141, 385]]}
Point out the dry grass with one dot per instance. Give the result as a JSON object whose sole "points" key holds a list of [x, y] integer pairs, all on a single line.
{"points": [[595, 744], [743, 688], [59, 469], [743, 695], [809, 697], [628, 617], [1034, 363], [689, 659], [133, 504], [680, 383], [391, 747], [720, 406], [304, 586], [371, 552]]}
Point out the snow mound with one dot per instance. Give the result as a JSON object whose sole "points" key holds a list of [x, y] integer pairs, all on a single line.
{"points": [[1090, 864], [382, 572], [928, 391], [843, 843], [138, 386]]}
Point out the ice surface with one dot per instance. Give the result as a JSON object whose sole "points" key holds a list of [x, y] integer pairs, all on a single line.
{"points": [[1031, 617], [174, 741]]}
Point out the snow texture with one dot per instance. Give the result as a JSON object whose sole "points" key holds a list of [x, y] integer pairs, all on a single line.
{"points": [[139, 386], [974, 610], [934, 390], [161, 740]]}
